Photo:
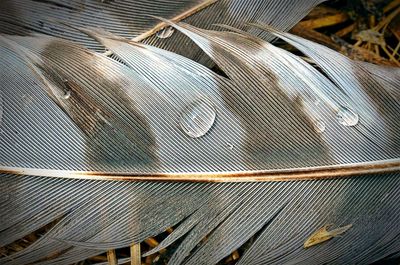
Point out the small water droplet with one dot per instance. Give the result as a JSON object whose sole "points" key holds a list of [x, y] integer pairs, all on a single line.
{"points": [[165, 33], [347, 117], [67, 89], [26, 101], [230, 146], [319, 126], [67, 94], [197, 118]]}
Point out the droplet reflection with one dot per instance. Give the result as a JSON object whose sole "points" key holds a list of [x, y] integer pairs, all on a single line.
{"points": [[347, 117], [197, 118], [67, 94], [165, 33]]}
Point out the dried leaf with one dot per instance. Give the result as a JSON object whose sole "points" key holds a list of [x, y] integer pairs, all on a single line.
{"points": [[322, 235]]}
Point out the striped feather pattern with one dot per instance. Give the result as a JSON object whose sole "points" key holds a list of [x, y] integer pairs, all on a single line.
{"points": [[282, 215], [146, 111], [159, 112], [131, 18]]}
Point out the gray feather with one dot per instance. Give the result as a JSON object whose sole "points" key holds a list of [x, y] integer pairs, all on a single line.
{"points": [[66, 110]]}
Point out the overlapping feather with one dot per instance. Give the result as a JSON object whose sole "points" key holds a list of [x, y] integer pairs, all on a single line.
{"points": [[68, 108], [130, 18]]}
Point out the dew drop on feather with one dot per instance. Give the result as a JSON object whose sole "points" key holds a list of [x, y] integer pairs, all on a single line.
{"points": [[230, 146], [347, 117], [165, 33], [67, 94], [197, 118]]}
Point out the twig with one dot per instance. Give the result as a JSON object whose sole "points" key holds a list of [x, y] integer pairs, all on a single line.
{"points": [[314, 36], [392, 58], [392, 5], [112, 257], [346, 31], [396, 50], [324, 21], [178, 18], [135, 254], [386, 21]]}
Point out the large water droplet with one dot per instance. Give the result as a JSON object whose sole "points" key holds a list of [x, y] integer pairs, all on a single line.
{"points": [[165, 33], [197, 118], [319, 126], [347, 117]]}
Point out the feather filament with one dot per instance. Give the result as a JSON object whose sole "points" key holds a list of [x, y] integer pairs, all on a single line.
{"points": [[260, 92], [129, 18]]}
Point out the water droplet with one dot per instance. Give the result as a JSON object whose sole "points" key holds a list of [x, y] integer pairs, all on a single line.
{"points": [[165, 33], [26, 101], [230, 146], [319, 126], [197, 118], [347, 117], [67, 94], [67, 89]]}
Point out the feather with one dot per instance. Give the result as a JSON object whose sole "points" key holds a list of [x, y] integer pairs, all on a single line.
{"points": [[68, 111], [130, 18], [368, 203], [304, 112]]}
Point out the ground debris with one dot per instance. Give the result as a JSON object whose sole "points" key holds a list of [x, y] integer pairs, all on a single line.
{"points": [[322, 235]]}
